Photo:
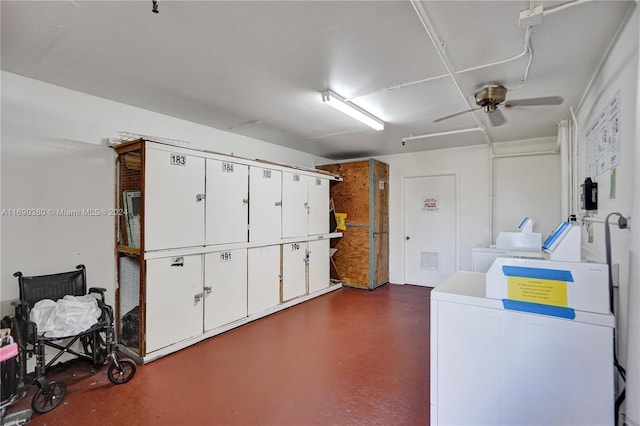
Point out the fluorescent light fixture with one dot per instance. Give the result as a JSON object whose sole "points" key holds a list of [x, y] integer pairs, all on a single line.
{"points": [[352, 110]]}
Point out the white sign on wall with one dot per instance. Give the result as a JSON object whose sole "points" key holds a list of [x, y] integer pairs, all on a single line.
{"points": [[430, 204], [603, 140]]}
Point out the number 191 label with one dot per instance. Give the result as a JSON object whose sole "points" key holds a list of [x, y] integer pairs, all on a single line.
{"points": [[225, 256]]}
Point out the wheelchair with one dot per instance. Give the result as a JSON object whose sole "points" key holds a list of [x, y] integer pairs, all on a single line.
{"points": [[98, 341]]}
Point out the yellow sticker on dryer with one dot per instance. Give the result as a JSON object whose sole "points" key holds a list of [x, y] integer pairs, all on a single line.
{"points": [[535, 290]]}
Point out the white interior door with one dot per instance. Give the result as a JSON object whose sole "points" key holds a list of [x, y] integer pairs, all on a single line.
{"points": [[265, 204], [294, 205], [318, 265], [227, 202], [430, 229], [174, 200], [174, 300], [225, 287], [318, 199], [263, 266], [294, 267]]}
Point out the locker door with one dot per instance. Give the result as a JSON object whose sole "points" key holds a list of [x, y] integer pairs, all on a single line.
{"points": [[265, 202], [294, 205], [294, 270], [318, 265], [318, 199], [174, 300], [174, 200], [227, 202], [263, 266], [225, 287]]}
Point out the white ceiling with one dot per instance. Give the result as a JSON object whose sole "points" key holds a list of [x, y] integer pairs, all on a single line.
{"points": [[257, 68]]}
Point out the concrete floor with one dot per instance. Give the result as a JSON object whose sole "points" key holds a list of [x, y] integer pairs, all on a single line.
{"points": [[351, 357]]}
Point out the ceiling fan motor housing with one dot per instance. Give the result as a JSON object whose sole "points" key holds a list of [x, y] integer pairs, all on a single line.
{"points": [[490, 96]]}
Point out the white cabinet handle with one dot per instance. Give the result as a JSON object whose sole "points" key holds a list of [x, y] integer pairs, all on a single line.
{"points": [[199, 197], [278, 203], [208, 290], [245, 201], [197, 297]]}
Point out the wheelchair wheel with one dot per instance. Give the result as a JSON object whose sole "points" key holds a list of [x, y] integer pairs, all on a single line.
{"points": [[124, 373], [45, 401]]}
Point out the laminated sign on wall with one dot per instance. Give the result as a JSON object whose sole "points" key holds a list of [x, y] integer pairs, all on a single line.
{"points": [[603, 139], [430, 204]]}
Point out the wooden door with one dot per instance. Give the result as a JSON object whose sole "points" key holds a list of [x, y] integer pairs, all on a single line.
{"points": [[225, 287], [380, 233], [174, 200], [227, 202]]}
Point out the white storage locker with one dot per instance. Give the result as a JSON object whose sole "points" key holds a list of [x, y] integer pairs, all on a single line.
{"points": [[294, 266], [318, 265], [174, 300], [294, 205], [225, 287], [265, 204], [318, 204], [263, 278], [174, 200], [227, 202]]}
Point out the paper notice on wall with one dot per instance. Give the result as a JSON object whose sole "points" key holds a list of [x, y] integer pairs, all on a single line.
{"points": [[603, 140], [430, 204]]}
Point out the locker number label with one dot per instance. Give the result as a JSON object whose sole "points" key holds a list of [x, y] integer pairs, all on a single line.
{"points": [[295, 246], [225, 256], [318, 182], [177, 261], [227, 167], [178, 160], [266, 174], [296, 178]]}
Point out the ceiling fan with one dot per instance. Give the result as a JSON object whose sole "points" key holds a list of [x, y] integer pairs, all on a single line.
{"points": [[492, 95]]}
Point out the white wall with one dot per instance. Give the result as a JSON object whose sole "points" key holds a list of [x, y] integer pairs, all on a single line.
{"points": [[54, 156], [619, 73], [471, 167], [526, 177]]}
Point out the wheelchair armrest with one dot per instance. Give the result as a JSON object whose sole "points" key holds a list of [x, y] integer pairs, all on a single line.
{"points": [[98, 290], [22, 309], [17, 303]]}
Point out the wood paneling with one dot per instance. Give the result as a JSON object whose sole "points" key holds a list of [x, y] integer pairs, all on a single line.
{"points": [[362, 181], [352, 257], [351, 196]]}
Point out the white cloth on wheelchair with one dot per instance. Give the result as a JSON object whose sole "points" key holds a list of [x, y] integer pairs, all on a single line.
{"points": [[65, 317]]}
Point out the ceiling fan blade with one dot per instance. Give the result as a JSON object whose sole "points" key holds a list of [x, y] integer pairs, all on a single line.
{"points": [[455, 115], [548, 100], [496, 118]]}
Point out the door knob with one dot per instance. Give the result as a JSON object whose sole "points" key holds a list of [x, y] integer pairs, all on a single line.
{"points": [[407, 238]]}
